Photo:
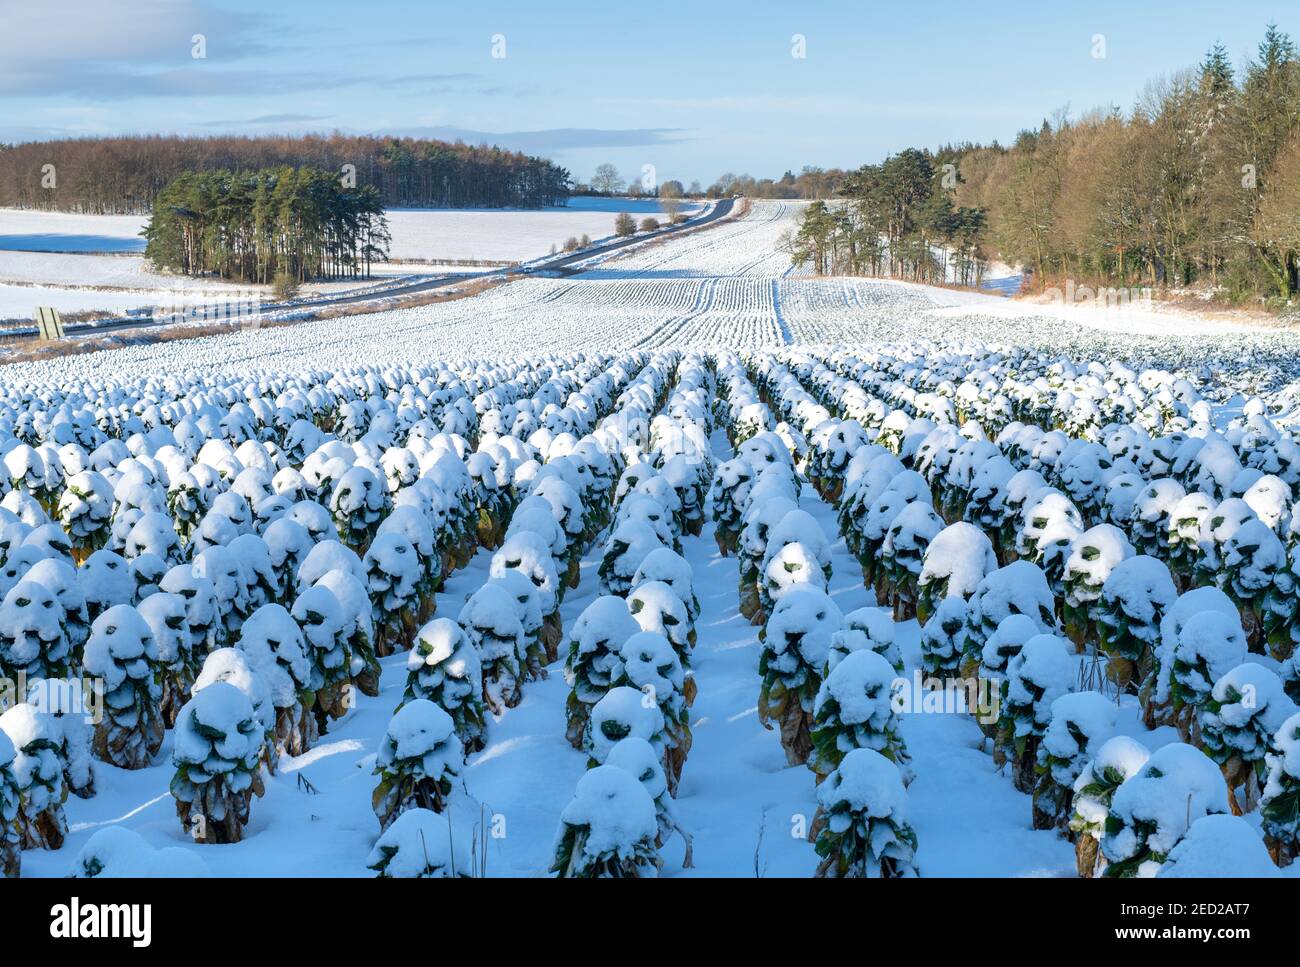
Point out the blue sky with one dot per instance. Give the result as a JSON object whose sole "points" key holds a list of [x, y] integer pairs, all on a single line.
{"points": [[694, 88]]}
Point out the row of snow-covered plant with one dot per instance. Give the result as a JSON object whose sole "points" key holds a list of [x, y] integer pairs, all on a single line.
{"points": [[1082, 539], [826, 677], [229, 560]]}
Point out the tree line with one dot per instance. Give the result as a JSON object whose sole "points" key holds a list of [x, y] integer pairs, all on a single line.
{"points": [[1198, 184], [896, 218], [123, 175], [267, 226]]}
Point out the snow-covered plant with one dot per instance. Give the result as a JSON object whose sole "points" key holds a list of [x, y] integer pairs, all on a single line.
{"points": [[752, 550], [1237, 724], [63, 700], [1040, 673], [1188, 520], [492, 625], [357, 503], [956, 560], [202, 614], [1253, 559], [324, 630], [527, 553], [1209, 645], [1216, 532], [177, 664], [11, 838], [288, 543], [217, 754], [86, 512], [629, 544], [608, 829], [220, 566], [105, 581], [123, 653], [420, 844], [656, 607], [278, 652], [38, 773], [419, 762], [637, 757], [854, 709], [943, 639], [1081, 722], [664, 564], [649, 664], [358, 629], [115, 851], [1219, 847], [444, 668], [593, 658], [1279, 806], [1019, 588], [32, 640], [393, 574], [793, 565], [1118, 759], [1152, 811], [796, 643], [1094, 554], [414, 525], [866, 629], [1134, 599], [901, 557], [730, 491], [862, 828], [622, 711]]}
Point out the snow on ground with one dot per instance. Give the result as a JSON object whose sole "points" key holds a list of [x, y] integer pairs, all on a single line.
{"points": [[725, 286], [65, 253], [24, 230], [507, 235], [738, 797]]}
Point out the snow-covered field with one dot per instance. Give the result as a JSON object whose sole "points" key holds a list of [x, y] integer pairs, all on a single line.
{"points": [[66, 254], [496, 235], [1072, 475]]}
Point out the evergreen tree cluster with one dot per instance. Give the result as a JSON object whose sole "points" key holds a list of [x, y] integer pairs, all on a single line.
{"points": [[299, 223]]}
